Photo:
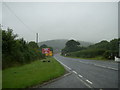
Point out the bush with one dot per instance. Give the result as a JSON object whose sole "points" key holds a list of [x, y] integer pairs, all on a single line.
{"points": [[18, 51], [103, 49], [88, 53]]}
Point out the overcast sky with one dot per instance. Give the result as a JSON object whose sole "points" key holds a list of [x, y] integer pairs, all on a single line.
{"points": [[87, 21]]}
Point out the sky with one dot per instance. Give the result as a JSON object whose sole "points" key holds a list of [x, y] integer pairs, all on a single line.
{"points": [[85, 21], [0, 13]]}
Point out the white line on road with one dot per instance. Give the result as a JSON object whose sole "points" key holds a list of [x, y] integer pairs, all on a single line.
{"points": [[80, 75], [84, 82], [106, 67], [112, 68], [75, 72], [99, 65], [89, 81], [64, 64], [94, 65], [67, 74]]}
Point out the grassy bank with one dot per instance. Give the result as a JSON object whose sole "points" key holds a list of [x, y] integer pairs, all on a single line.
{"points": [[0, 79], [96, 58], [32, 74]]}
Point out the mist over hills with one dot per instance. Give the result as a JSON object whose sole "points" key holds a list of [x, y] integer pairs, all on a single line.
{"points": [[59, 44]]}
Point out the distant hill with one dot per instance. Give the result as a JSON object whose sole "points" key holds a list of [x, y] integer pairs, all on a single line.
{"points": [[59, 44]]}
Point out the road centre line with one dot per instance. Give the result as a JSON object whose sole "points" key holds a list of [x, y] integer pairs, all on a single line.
{"points": [[75, 72], [89, 81], [96, 65], [106, 67], [112, 68], [99, 65], [84, 82], [91, 64], [80, 75]]}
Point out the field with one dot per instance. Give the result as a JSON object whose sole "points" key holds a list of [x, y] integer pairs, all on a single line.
{"points": [[32, 74]]}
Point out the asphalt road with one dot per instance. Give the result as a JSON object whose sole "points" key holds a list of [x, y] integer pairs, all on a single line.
{"points": [[86, 74]]}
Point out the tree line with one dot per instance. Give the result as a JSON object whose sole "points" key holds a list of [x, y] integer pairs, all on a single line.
{"points": [[105, 49], [18, 51]]}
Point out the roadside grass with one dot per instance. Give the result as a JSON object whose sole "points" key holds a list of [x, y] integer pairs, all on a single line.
{"points": [[96, 58], [0, 79], [31, 74]]}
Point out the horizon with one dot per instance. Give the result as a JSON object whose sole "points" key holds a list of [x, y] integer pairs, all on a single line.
{"points": [[80, 40], [86, 21]]}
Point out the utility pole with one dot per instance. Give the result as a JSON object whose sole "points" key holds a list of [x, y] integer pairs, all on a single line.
{"points": [[0, 26], [37, 38], [119, 47]]}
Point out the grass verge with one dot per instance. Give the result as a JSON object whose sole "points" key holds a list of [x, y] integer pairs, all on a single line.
{"points": [[0, 79], [96, 58], [31, 74]]}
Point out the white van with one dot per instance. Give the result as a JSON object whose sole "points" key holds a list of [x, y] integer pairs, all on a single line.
{"points": [[117, 59]]}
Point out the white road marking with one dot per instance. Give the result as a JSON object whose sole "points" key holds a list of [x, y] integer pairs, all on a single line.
{"points": [[84, 82], [80, 75], [103, 66], [112, 68], [64, 64], [75, 72], [66, 74], [96, 65], [89, 81], [99, 65]]}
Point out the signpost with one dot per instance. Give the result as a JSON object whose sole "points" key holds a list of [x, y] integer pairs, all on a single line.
{"points": [[50, 54], [47, 51]]}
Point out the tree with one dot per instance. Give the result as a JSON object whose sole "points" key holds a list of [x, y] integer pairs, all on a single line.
{"points": [[101, 45], [43, 46], [71, 46], [18, 51], [114, 47], [103, 49], [8, 41], [33, 44], [72, 43]]}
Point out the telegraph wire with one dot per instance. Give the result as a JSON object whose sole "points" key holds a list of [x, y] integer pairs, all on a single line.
{"points": [[29, 29]]}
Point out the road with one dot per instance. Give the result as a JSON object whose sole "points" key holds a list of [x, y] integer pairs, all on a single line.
{"points": [[86, 74]]}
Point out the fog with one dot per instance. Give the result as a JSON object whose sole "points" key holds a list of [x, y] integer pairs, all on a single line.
{"points": [[88, 21]]}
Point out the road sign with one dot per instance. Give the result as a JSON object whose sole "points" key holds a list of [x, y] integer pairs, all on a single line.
{"points": [[46, 54], [45, 50], [50, 53]]}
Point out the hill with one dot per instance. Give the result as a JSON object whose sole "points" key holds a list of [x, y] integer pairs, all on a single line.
{"points": [[59, 44]]}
